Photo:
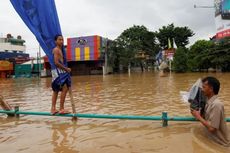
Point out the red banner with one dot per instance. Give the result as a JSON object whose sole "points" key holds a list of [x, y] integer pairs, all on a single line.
{"points": [[223, 34]]}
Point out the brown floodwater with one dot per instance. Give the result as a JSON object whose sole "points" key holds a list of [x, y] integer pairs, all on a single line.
{"points": [[135, 94]]}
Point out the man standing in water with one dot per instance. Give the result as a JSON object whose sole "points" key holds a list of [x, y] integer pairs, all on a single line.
{"points": [[214, 118], [59, 80]]}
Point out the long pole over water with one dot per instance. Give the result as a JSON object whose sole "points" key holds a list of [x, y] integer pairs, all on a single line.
{"points": [[164, 118], [102, 116]]}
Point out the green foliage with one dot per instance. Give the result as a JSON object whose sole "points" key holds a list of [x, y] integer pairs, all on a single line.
{"points": [[207, 54], [180, 60], [125, 48], [132, 41], [165, 33], [180, 34], [197, 55], [219, 56]]}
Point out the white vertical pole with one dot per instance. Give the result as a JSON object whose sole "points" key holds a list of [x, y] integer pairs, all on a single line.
{"points": [[129, 69], [39, 65], [170, 65]]}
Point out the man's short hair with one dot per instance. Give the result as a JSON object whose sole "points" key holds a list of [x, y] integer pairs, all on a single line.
{"points": [[213, 82], [56, 37]]}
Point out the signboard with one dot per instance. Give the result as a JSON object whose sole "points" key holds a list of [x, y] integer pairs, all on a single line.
{"points": [[6, 66], [170, 53], [222, 18], [84, 48]]}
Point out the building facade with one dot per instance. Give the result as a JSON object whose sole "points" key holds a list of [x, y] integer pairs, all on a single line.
{"points": [[13, 49], [12, 52], [86, 55]]}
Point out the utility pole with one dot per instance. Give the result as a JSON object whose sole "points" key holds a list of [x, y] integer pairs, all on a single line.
{"points": [[39, 58]]}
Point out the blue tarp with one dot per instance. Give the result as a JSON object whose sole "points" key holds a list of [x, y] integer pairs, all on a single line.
{"points": [[8, 55], [41, 18]]}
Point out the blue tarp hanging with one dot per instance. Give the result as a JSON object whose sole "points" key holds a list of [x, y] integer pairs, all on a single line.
{"points": [[41, 18]]}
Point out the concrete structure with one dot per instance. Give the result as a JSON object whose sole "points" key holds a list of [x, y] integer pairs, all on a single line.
{"points": [[12, 45], [86, 55], [34, 67], [12, 53], [6, 69], [13, 49]]}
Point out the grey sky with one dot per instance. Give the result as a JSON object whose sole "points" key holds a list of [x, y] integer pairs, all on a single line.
{"points": [[109, 18]]}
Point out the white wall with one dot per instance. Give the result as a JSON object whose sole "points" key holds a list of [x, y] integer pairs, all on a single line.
{"points": [[10, 47]]}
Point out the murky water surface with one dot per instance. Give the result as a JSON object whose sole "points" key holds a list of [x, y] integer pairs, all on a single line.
{"points": [[137, 94]]}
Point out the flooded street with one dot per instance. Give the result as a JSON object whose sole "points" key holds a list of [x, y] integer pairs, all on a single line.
{"points": [[138, 94]]}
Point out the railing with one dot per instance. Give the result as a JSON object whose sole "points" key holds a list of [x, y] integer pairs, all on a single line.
{"points": [[164, 118]]}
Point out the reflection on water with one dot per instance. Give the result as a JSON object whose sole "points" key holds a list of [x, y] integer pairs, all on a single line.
{"points": [[137, 94], [63, 135]]}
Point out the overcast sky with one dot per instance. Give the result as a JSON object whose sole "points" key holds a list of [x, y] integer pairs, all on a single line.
{"points": [[108, 18]]}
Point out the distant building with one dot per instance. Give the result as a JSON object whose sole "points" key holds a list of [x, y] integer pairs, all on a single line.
{"points": [[6, 69], [13, 49], [86, 55]]}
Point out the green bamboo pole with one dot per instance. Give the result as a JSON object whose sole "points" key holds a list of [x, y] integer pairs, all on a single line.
{"points": [[84, 115], [164, 117]]}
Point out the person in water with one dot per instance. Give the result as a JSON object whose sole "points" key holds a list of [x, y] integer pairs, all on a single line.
{"points": [[59, 81], [214, 117]]}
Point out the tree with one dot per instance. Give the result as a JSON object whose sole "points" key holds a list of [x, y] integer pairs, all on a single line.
{"points": [[198, 55], [112, 53], [206, 54], [180, 60], [134, 40], [219, 56], [165, 33], [179, 34], [182, 35]]}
